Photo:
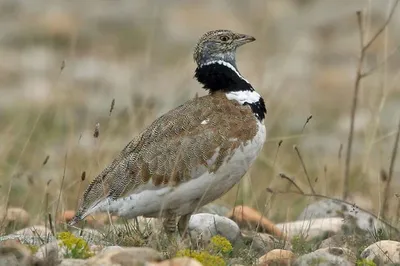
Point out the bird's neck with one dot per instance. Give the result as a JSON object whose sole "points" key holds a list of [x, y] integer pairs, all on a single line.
{"points": [[223, 76]]}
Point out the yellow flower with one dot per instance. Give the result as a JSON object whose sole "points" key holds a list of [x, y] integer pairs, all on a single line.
{"points": [[202, 256], [76, 247], [221, 244]]}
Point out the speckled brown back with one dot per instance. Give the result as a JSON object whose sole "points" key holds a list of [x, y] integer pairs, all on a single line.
{"points": [[168, 151]]}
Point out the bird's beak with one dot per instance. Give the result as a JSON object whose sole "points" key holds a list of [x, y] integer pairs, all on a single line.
{"points": [[243, 39]]}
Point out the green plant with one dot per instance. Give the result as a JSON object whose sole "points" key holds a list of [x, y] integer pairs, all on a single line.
{"points": [[365, 262], [220, 245], [76, 247], [203, 257], [300, 245]]}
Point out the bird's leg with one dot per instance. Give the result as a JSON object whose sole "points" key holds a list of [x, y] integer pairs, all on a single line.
{"points": [[169, 224], [183, 224]]}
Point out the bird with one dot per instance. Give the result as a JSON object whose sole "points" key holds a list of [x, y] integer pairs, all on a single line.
{"points": [[191, 155]]}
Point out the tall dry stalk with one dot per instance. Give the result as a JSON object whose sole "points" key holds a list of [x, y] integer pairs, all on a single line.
{"points": [[360, 74]]}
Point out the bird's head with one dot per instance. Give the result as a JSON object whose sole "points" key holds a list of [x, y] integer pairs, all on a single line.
{"points": [[219, 45]]}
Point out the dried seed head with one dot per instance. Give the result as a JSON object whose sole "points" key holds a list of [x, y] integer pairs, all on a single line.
{"points": [[83, 176], [96, 132], [112, 106], [46, 160], [384, 175]]}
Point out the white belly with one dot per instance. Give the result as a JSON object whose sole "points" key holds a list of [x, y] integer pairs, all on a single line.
{"points": [[187, 197]]}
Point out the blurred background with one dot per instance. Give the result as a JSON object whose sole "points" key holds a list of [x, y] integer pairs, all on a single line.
{"points": [[63, 62]]}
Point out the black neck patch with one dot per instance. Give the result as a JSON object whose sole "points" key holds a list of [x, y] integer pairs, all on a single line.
{"points": [[218, 77]]}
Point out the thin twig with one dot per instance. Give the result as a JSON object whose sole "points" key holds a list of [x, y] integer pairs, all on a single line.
{"points": [[383, 62], [282, 175], [277, 151], [62, 183], [354, 107], [304, 168], [359, 76], [371, 41], [389, 179], [305, 124]]}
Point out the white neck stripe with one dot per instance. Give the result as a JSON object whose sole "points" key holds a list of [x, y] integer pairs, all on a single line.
{"points": [[229, 65], [244, 96]]}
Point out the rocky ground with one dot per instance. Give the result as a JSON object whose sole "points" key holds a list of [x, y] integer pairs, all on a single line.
{"points": [[328, 232]]}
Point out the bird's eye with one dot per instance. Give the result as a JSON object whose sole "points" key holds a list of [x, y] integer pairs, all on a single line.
{"points": [[224, 38]]}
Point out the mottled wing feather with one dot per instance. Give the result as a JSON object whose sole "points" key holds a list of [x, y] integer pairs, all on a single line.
{"points": [[182, 144]]}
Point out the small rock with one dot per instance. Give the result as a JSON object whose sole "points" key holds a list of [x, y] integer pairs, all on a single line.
{"points": [[277, 257], [340, 252], [382, 252], [324, 257], [263, 243], [125, 256], [36, 230], [333, 208], [72, 262], [52, 252], [34, 236], [204, 226], [14, 218], [312, 228], [251, 218], [185, 261], [350, 241], [12, 253], [214, 208]]}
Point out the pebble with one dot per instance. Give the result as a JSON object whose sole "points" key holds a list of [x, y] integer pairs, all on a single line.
{"points": [[203, 226], [262, 243], [382, 252], [328, 208], [125, 256], [277, 256], [324, 257], [312, 228]]}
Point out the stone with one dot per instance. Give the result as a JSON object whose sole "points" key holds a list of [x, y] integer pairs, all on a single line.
{"points": [[203, 226], [37, 235], [214, 208], [328, 208], [125, 256], [382, 252], [325, 257], [51, 252], [184, 261], [13, 253], [340, 252], [14, 218], [35, 230], [277, 257], [350, 241], [262, 243], [253, 219], [312, 228]]}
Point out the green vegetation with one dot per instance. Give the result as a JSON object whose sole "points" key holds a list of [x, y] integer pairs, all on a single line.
{"points": [[76, 247], [203, 257], [365, 262]]}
